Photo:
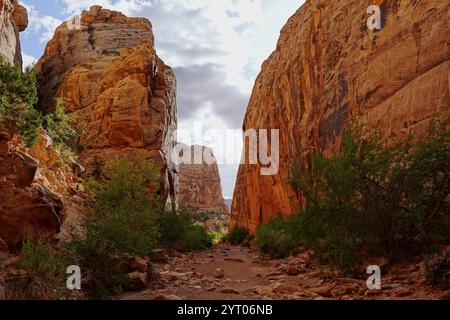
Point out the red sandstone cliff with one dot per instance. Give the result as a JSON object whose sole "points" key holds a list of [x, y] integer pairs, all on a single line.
{"points": [[122, 95], [13, 19], [329, 67]]}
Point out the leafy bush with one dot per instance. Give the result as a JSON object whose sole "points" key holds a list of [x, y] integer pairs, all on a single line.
{"points": [[437, 269], [369, 199], [112, 53], [178, 231], [18, 95], [122, 222], [60, 127], [45, 278], [278, 238], [90, 30], [237, 235]]}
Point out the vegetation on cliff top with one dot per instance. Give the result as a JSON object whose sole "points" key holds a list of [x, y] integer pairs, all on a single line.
{"points": [[18, 95], [18, 113]]}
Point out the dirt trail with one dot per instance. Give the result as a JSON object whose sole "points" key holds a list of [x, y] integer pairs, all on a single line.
{"points": [[195, 276]]}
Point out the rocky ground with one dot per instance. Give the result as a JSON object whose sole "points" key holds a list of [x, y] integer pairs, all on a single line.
{"points": [[238, 273]]}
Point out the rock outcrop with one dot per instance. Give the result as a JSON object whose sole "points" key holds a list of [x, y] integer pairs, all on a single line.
{"points": [[13, 19], [199, 184], [35, 186], [105, 70], [329, 67]]}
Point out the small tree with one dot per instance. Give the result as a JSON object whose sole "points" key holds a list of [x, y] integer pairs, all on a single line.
{"points": [[18, 95], [122, 222]]}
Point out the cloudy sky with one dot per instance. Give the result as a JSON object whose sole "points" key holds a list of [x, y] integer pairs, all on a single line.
{"points": [[215, 46]]}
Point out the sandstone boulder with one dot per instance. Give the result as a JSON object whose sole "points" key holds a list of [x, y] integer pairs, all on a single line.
{"points": [[27, 209]]}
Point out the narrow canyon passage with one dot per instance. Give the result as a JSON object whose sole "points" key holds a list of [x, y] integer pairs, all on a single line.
{"points": [[239, 273]]}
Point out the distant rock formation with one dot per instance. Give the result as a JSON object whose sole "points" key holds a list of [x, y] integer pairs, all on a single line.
{"points": [[13, 19], [199, 184], [105, 69], [329, 67]]}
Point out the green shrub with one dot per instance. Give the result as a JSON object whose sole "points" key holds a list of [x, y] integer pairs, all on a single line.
{"points": [[178, 231], [112, 53], [45, 278], [437, 269], [370, 199], [18, 95], [91, 40], [278, 238], [123, 221], [366, 199], [237, 235], [169, 72], [59, 126]]}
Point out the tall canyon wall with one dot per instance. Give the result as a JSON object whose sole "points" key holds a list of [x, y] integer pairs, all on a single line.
{"points": [[329, 67]]}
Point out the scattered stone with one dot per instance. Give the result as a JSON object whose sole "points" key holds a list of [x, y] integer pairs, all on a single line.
{"points": [[234, 260], [285, 288], [133, 264], [404, 293], [274, 274], [264, 291], [322, 291], [292, 271], [229, 291], [138, 281], [391, 286], [161, 297], [219, 274]]}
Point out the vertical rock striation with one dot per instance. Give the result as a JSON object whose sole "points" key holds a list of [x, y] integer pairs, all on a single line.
{"points": [[329, 67]]}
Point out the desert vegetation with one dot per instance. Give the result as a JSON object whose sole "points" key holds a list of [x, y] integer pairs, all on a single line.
{"points": [[18, 112], [371, 197]]}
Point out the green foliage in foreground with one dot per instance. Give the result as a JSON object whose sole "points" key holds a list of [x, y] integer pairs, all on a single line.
{"points": [[127, 218], [122, 222], [368, 199], [45, 278], [179, 231], [237, 236]]}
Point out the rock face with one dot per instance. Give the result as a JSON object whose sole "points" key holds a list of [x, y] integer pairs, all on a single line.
{"points": [[33, 186], [199, 184], [105, 69], [13, 19], [329, 67]]}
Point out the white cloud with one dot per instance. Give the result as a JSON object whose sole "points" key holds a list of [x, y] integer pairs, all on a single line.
{"points": [[40, 24], [28, 61], [124, 6]]}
